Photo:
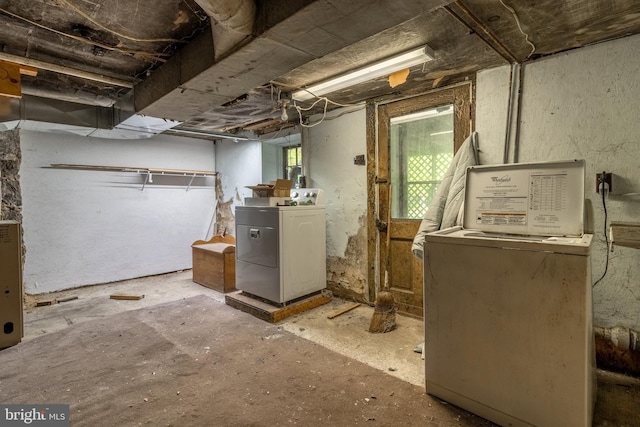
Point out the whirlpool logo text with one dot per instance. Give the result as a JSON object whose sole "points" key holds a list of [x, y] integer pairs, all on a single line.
{"points": [[501, 179]]}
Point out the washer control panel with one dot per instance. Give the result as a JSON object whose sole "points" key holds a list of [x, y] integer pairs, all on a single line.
{"points": [[307, 197]]}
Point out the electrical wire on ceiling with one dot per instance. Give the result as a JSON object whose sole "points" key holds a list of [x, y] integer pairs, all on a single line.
{"points": [[343, 113], [148, 56], [154, 58], [112, 31], [294, 87], [526, 36], [300, 109], [169, 46], [197, 13], [324, 112], [327, 101], [274, 136], [278, 97]]}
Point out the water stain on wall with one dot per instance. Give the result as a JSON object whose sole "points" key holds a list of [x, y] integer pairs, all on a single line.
{"points": [[347, 276], [10, 192], [618, 349], [224, 213]]}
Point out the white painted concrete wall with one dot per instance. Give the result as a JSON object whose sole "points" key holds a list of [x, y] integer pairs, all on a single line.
{"points": [[332, 147], [492, 99], [238, 165], [271, 161], [582, 105], [88, 227]]}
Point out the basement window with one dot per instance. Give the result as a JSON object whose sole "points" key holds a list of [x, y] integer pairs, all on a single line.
{"points": [[292, 163], [282, 158]]}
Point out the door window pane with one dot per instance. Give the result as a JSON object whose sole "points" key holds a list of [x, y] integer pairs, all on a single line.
{"points": [[421, 150]]}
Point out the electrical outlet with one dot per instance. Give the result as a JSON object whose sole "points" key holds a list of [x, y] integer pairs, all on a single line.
{"points": [[607, 179]]}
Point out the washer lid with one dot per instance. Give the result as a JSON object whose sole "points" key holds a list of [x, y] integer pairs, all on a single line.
{"points": [[574, 245], [541, 199]]}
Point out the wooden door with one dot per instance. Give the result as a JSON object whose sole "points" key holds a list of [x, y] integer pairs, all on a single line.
{"points": [[398, 170]]}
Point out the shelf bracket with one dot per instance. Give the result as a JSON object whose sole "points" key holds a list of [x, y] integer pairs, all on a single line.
{"points": [[147, 178], [191, 181]]}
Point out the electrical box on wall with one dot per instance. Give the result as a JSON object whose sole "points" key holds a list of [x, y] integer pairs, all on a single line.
{"points": [[604, 178]]}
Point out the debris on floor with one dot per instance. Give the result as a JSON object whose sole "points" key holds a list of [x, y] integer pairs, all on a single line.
{"points": [[419, 348], [342, 310], [45, 302], [127, 297], [54, 301]]}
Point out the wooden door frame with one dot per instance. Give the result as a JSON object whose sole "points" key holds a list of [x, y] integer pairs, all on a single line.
{"points": [[461, 96]]}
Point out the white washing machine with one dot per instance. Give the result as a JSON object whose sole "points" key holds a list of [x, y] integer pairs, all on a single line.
{"points": [[281, 250], [508, 306]]}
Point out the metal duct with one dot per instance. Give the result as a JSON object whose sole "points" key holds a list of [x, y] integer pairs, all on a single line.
{"points": [[70, 96], [32, 108], [234, 15], [60, 116]]}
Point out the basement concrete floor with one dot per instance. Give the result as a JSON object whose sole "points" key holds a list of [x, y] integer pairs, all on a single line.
{"points": [[346, 334]]}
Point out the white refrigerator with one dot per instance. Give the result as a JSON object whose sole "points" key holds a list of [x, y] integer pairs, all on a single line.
{"points": [[508, 306]]}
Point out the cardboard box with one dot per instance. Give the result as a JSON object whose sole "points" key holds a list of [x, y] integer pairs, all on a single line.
{"points": [[11, 322], [281, 188]]}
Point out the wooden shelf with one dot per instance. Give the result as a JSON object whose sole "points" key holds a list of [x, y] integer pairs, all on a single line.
{"points": [[625, 234], [148, 172]]}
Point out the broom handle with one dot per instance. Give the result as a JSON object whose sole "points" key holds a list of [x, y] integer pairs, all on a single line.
{"points": [[389, 221], [388, 248]]}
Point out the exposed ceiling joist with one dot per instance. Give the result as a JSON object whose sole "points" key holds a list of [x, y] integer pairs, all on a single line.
{"points": [[34, 64], [210, 63]]}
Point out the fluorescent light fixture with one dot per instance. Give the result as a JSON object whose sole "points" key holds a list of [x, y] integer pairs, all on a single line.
{"points": [[373, 71]]}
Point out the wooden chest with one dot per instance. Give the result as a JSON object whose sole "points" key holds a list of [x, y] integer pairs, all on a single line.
{"points": [[214, 263]]}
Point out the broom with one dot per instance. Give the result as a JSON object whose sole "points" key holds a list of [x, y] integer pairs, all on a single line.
{"points": [[384, 313]]}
